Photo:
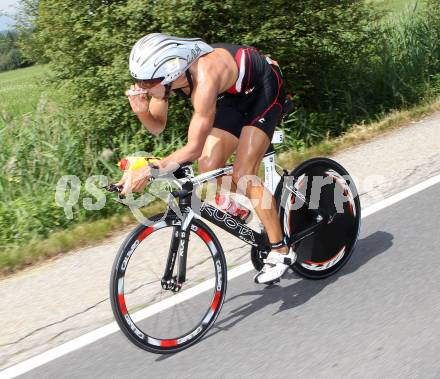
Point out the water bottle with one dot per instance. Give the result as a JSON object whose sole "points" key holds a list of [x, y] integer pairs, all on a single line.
{"points": [[229, 205], [134, 163]]}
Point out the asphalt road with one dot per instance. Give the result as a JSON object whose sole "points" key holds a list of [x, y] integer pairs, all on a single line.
{"points": [[377, 317]]}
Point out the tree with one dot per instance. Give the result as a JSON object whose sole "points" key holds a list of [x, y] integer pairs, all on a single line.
{"points": [[10, 54], [88, 42]]}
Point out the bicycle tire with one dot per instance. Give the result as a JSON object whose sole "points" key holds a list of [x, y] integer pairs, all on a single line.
{"points": [[131, 325], [327, 250]]}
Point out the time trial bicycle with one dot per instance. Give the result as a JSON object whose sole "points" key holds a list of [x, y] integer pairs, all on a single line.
{"points": [[169, 278]]}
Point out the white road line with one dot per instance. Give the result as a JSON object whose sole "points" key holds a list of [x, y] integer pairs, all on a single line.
{"points": [[400, 196], [97, 334]]}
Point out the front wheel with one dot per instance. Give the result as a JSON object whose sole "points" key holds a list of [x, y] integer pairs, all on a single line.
{"points": [[159, 316], [319, 191]]}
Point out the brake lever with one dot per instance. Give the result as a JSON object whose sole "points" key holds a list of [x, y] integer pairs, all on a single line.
{"points": [[115, 188]]}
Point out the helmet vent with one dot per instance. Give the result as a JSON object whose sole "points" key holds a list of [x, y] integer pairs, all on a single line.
{"points": [[159, 55]]}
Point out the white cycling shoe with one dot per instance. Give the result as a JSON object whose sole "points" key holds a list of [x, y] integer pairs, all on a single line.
{"points": [[275, 266]]}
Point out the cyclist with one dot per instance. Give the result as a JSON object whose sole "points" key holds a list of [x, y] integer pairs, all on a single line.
{"points": [[237, 94]]}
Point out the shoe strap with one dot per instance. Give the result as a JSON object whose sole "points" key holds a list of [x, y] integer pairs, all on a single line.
{"points": [[274, 258]]}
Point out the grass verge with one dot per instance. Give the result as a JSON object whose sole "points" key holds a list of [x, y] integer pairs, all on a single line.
{"points": [[21, 90], [16, 258], [359, 134], [396, 6]]}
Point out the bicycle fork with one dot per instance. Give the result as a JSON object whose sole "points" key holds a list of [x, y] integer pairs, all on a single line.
{"points": [[178, 253]]}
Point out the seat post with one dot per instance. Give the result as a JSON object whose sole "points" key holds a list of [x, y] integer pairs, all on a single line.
{"points": [[271, 176]]}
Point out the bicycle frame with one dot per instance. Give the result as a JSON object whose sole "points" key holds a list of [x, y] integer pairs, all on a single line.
{"points": [[232, 225], [179, 244], [271, 176]]}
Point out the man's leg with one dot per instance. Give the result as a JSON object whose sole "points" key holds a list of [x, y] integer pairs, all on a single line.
{"points": [[252, 146], [219, 146]]}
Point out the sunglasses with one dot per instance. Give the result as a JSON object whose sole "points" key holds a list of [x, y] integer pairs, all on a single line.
{"points": [[150, 83]]}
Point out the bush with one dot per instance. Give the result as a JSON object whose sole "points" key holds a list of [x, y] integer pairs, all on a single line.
{"points": [[343, 62], [35, 152], [10, 54], [88, 44]]}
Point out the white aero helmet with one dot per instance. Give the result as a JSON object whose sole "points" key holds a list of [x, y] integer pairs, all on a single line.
{"points": [[160, 56]]}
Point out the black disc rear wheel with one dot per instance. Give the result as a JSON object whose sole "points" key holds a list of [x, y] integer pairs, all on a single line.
{"points": [[319, 192]]}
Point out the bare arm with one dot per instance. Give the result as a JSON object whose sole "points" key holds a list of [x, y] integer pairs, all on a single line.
{"points": [[151, 113], [204, 102], [155, 118]]}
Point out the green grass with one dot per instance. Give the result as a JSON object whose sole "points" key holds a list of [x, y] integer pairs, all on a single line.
{"points": [[21, 91], [37, 250], [396, 5], [42, 142]]}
